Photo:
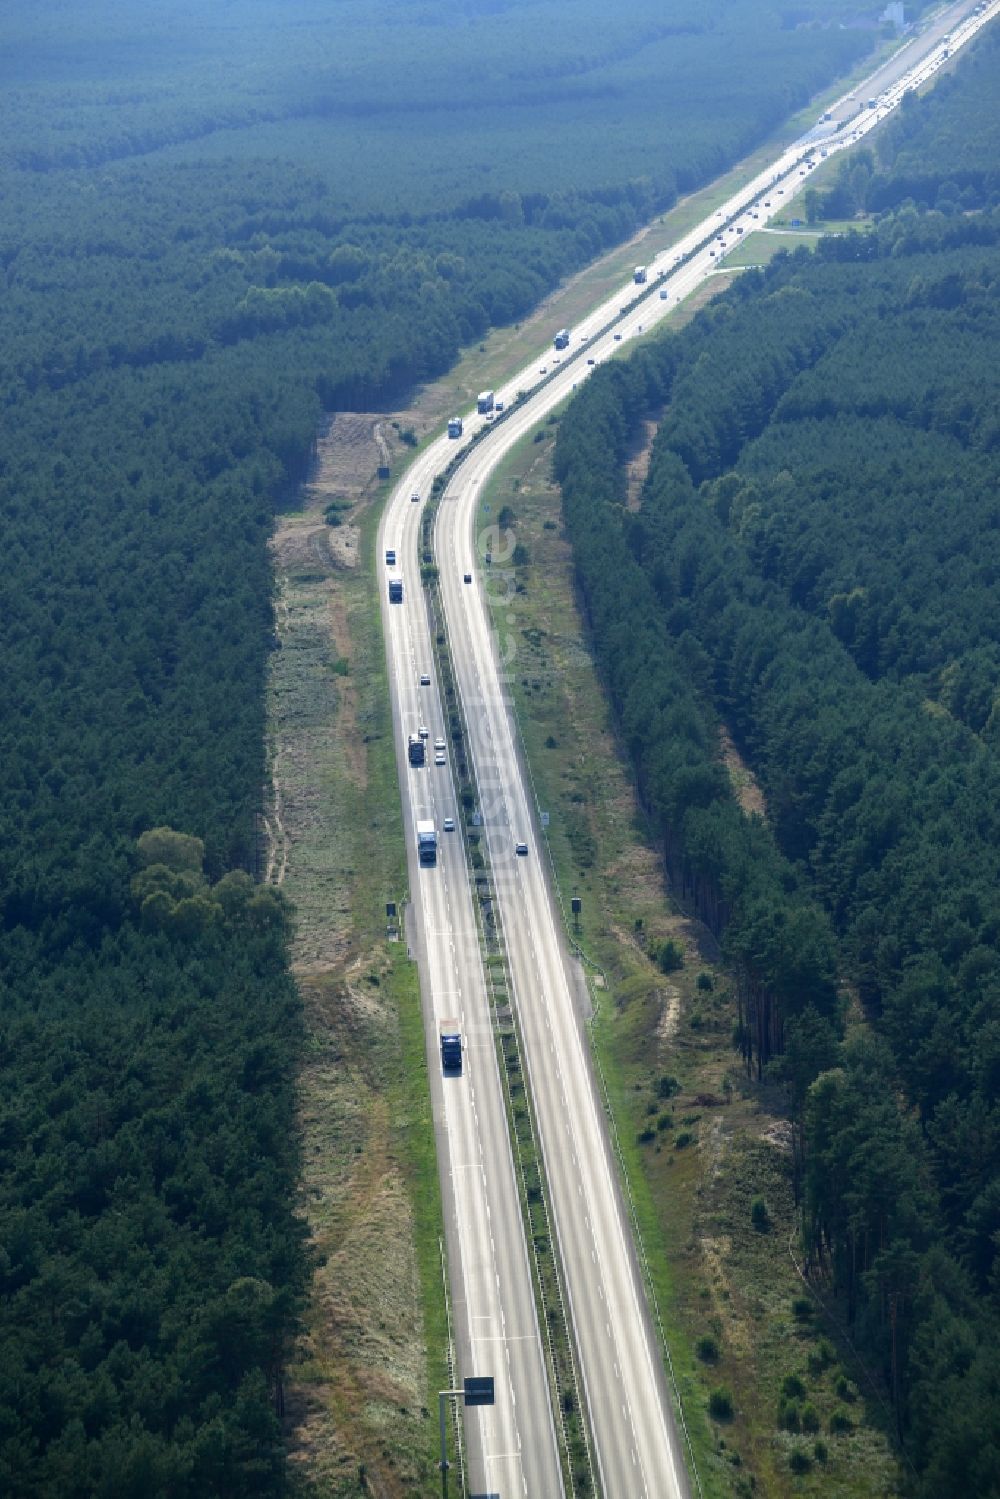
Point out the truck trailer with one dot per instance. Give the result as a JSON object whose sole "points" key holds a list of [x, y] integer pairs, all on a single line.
{"points": [[396, 589], [427, 841], [451, 1045], [484, 402]]}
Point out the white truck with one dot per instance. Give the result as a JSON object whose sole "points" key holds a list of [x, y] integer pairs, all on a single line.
{"points": [[639, 275], [484, 402], [427, 841], [455, 427]]}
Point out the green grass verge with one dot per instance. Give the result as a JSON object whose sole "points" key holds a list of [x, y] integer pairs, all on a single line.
{"points": [[381, 871], [415, 1132], [660, 1260], [762, 246]]}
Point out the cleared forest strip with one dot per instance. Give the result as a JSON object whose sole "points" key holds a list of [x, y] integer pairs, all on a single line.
{"points": [[362, 1393]]}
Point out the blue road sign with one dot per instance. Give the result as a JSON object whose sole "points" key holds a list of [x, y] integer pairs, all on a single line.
{"points": [[479, 1390]]}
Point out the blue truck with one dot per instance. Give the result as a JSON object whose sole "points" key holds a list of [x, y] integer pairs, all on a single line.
{"points": [[427, 841], [451, 1045]]}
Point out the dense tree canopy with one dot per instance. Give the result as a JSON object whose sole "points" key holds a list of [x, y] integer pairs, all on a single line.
{"points": [[816, 561], [218, 221]]}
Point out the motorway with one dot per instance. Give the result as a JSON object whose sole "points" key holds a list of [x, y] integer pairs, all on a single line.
{"points": [[512, 1446]]}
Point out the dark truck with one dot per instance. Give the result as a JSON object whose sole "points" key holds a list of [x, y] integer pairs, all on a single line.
{"points": [[427, 841], [451, 1045], [415, 750]]}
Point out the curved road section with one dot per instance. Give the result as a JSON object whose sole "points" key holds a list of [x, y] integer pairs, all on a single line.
{"points": [[512, 1446]]}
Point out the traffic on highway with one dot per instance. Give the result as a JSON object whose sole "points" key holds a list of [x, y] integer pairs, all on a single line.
{"points": [[638, 1444]]}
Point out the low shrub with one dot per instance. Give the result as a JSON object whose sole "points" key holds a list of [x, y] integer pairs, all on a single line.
{"points": [[720, 1404]]}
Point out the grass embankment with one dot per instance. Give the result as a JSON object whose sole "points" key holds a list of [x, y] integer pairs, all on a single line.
{"points": [[363, 1399], [701, 1145]]}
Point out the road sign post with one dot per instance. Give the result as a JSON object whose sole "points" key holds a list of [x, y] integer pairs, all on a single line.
{"points": [[478, 1389]]}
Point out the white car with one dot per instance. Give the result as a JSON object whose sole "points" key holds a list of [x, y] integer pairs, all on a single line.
{"points": [[449, 824], [439, 757], [423, 731], [439, 744]]}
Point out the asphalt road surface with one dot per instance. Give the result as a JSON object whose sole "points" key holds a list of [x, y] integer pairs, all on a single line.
{"points": [[512, 1445]]}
